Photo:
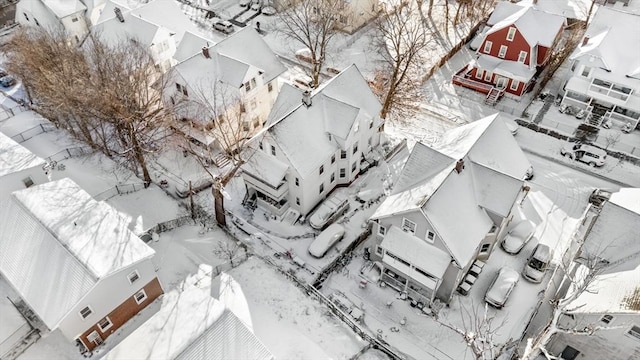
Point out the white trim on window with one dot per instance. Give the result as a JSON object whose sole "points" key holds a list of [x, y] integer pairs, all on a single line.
{"points": [[511, 34], [140, 296], [487, 47], [503, 51], [106, 326], [635, 332], [382, 230], [522, 57], [379, 251], [85, 312], [408, 226], [487, 76], [133, 276], [479, 73], [431, 236], [607, 319], [514, 85]]}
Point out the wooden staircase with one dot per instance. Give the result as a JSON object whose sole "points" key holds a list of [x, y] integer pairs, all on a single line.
{"points": [[493, 96]]}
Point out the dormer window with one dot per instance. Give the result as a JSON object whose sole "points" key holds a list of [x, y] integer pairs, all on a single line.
{"points": [[511, 34], [408, 226], [182, 89]]}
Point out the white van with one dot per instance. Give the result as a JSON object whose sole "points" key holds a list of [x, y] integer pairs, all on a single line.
{"points": [[326, 239], [537, 263], [585, 153], [224, 26], [334, 206]]}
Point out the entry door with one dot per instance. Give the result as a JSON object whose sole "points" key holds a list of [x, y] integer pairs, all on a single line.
{"points": [[501, 83], [94, 338]]}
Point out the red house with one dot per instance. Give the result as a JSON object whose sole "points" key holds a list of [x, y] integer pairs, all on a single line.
{"points": [[514, 48]]}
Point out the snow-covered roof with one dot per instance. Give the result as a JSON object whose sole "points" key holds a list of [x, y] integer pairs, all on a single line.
{"points": [[570, 9], [113, 31], [610, 33], [628, 198], [191, 44], [191, 325], [309, 135], [617, 292], [57, 242], [536, 26], [490, 180], [267, 168], [64, 8], [416, 251], [15, 157], [511, 69]]}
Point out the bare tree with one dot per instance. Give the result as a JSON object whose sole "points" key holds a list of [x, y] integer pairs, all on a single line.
{"points": [[612, 138], [478, 331], [228, 250], [405, 43], [312, 23]]}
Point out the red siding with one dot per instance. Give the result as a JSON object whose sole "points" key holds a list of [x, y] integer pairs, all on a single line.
{"points": [[514, 47]]}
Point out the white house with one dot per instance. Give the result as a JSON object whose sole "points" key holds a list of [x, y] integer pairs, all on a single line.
{"points": [[192, 325], [74, 261], [605, 74], [233, 83], [19, 167], [68, 15], [150, 24], [354, 14], [313, 143], [449, 207]]}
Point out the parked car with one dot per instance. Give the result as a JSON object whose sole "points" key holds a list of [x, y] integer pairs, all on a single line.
{"points": [[599, 196], [7, 81], [326, 240], [529, 174], [518, 236], [245, 3], [224, 26], [501, 287], [537, 263], [268, 10], [256, 5], [585, 153], [334, 206]]}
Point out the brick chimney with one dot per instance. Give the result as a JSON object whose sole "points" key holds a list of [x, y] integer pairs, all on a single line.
{"points": [[306, 98], [585, 40], [205, 52], [459, 166]]}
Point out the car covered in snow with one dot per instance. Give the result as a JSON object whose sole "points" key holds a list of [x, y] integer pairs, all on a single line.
{"points": [[501, 287], [326, 240], [587, 154], [537, 263], [330, 209], [599, 196], [518, 236]]}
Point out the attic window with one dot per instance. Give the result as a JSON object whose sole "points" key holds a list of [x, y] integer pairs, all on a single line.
{"points": [[28, 182], [182, 89], [26, 16], [270, 87], [133, 277], [382, 230], [408, 226], [343, 154], [84, 313], [607, 319], [431, 236], [247, 86], [511, 34], [74, 19], [503, 51]]}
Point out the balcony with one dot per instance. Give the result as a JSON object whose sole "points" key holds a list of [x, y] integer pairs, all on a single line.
{"points": [[601, 90], [463, 81], [276, 193]]}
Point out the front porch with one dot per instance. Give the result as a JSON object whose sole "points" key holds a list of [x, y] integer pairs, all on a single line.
{"points": [[463, 78]]}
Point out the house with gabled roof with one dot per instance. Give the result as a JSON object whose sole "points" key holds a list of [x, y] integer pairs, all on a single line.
{"points": [[603, 321], [74, 261], [450, 205], [314, 142], [67, 15], [516, 45], [19, 167], [604, 78], [223, 87]]}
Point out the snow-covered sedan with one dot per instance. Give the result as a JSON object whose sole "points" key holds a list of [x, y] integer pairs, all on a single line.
{"points": [[501, 287], [518, 236]]}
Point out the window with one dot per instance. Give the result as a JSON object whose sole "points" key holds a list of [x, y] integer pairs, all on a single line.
{"points": [[430, 236], [260, 145], [321, 189], [26, 16], [585, 71], [297, 182], [378, 250], [243, 109], [298, 201], [522, 57], [270, 87], [408, 226], [84, 313], [343, 154], [503, 51], [254, 104], [635, 332], [321, 169], [370, 124], [382, 230], [140, 296], [343, 172], [487, 47], [355, 148], [479, 73], [74, 19], [484, 248], [247, 86], [514, 85], [333, 177], [487, 76], [182, 89], [273, 150], [511, 34], [569, 353], [36, 21], [606, 319], [333, 159], [105, 324], [369, 141], [253, 83], [133, 276], [28, 182], [353, 166]]}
